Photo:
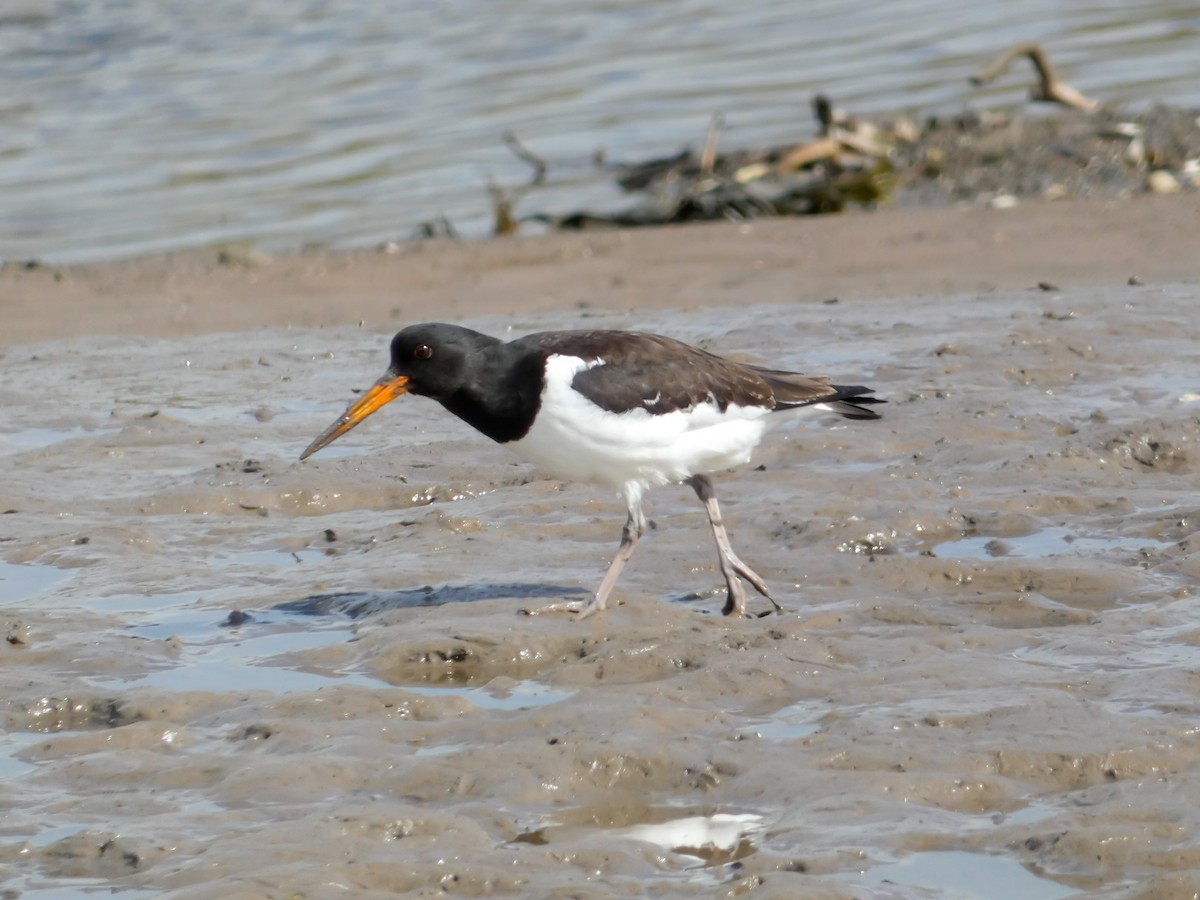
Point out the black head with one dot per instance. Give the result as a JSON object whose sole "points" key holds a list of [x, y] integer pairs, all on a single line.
{"points": [[431, 360], [435, 358]]}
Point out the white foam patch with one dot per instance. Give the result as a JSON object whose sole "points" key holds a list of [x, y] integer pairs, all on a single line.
{"points": [[722, 831]]}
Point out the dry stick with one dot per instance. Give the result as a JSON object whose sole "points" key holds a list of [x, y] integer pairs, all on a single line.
{"points": [[503, 220], [823, 110], [524, 154], [1050, 88], [805, 154], [708, 157], [855, 135], [835, 138]]}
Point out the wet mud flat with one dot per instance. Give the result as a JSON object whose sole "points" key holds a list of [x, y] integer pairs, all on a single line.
{"points": [[226, 673]]}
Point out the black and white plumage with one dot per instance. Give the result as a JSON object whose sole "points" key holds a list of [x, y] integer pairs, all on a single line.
{"points": [[624, 409]]}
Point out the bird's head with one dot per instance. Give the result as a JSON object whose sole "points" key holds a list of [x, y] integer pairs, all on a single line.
{"points": [[429, 360]]}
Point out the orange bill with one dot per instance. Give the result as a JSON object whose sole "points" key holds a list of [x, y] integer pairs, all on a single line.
{"points": [[384, 391]]}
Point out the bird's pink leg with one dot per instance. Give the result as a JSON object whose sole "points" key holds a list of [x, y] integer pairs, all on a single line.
{"points": [[635, 527], [731, 566]]}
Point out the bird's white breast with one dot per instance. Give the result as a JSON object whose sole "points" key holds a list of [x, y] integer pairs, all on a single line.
{"points": [[573, 438]]}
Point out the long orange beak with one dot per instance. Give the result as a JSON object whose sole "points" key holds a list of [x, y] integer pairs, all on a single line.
{"points": [[382, 392]]}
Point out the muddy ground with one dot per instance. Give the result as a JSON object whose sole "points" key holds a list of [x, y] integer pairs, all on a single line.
{"points": [[231, 674]]}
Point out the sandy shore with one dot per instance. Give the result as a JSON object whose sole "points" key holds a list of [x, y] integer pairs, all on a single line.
{"points": [[1071, 243], [231, 674]]}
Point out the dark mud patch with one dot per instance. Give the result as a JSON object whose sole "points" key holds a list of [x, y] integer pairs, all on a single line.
{"points": [[358, 604]]}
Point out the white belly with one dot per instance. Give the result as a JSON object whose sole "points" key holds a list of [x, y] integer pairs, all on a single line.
{"points": [[573, 438]]}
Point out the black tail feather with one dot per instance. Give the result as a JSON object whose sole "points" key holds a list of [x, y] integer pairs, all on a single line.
{"points": [[849, 402]]}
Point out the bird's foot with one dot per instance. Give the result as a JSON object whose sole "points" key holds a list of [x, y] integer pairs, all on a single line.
{"points": [[581, 608], [736, 606], [735, 602]]}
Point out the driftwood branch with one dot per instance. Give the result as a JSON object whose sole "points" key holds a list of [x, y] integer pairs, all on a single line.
{"points": [[1049, 89], [503, 220], [827, 117], [526, 155], [853, 134], [806, 154], [708, 156], [845, 141]]}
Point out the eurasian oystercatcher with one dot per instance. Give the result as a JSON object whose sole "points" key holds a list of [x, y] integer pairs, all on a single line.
{"points": [[624, 409]]}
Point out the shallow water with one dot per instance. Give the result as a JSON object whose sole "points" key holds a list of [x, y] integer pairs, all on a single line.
{"points": [[157, 125], [955, 874], [1053, 541], [21, 584], [227, 670]]}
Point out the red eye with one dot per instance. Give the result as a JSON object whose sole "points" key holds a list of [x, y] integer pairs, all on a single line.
{"points": [[422, 351]]}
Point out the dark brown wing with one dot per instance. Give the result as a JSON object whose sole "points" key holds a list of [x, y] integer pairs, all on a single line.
{"points": [[660, 374]]}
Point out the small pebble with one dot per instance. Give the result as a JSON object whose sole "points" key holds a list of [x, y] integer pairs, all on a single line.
{"points": [[1135, 153], [17, 634], [235, 618], [1160, 181]]}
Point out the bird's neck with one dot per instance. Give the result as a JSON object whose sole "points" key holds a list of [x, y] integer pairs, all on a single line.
{"points": [[504, 394]]}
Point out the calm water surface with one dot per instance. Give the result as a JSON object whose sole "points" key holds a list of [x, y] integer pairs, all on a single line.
{"points": [[156, 125]]}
